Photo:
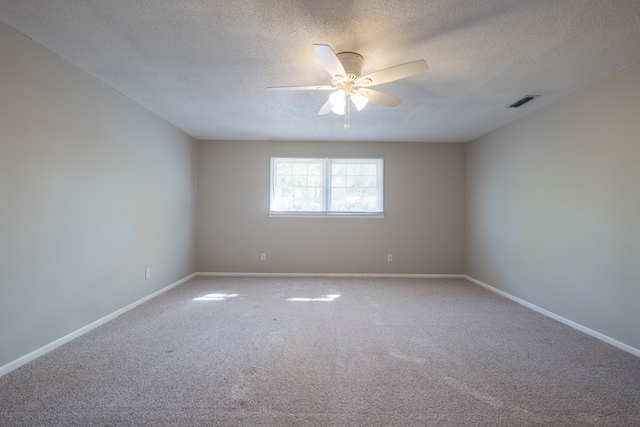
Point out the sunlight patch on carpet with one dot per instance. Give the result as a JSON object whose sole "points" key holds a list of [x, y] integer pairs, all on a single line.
{"points": [[325, 298], [215, 297]]}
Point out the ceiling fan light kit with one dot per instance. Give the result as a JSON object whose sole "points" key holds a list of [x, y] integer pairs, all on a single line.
{"points": [[348, 84]]}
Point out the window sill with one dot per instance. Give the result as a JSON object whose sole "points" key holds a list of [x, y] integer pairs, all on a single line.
{"points": [[325, 215]]}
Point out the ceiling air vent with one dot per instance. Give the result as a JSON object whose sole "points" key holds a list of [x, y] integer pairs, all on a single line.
{"points": [[523, 101]]}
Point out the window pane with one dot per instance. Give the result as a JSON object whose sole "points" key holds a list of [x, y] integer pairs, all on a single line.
{"points": [[369, 181], [297, 186], [355, 186], [354, 169], [338, 181], [283, 168], [338, 169], [370, 169], [316, 169], [315, 181], [354, 181]]}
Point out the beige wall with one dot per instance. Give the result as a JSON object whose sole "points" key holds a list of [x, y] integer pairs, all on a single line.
{"points": [[553, 208], [93, 189], [423, 227]]}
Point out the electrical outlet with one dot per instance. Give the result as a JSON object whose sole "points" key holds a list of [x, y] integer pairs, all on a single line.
{"points": [[263, 257], [389, 257], [147, 273]]}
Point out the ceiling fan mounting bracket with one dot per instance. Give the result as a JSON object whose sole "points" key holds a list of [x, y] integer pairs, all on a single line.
{"points": [[352, 63]]}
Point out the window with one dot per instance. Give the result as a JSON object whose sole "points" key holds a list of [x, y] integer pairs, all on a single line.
{"points": [[326, 186]]}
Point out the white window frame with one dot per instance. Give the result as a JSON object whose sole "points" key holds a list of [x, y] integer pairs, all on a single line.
{"points": [[326, 212]]}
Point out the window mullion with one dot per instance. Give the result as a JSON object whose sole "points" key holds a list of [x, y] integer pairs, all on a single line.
{"points": [[327, 184], [272, 184]]}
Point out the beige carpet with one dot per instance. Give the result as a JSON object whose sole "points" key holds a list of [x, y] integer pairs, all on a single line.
{"points": [[344, 352]]}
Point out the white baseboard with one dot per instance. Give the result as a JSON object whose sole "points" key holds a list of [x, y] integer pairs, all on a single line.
{"points": [[57, 343], [421, 276], [591, 332]]}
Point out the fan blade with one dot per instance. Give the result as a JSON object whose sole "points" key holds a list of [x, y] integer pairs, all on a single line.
{"points": [[380, 98], [301, 88], [390, 74], [326, 108], [330, 61]]}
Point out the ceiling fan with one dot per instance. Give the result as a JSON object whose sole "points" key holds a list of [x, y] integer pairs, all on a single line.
{"points": [[348, 85]]}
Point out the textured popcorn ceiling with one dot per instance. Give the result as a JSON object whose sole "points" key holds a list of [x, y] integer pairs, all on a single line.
{"points": [[203, 65]]}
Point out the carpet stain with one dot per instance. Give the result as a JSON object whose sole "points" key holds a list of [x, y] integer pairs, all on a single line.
{"points": [[376, 319], [423, 342], [398, 354], [239, 392], [372, 303], [464, 388], [249, 371], [434, 349], [241, 389]]}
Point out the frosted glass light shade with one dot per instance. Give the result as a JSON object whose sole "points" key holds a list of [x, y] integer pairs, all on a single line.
{"points": [[338, 109], [337, 99], [359, 101]]}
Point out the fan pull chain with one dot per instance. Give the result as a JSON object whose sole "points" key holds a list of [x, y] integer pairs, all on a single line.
{"points": [[347, 109]]}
